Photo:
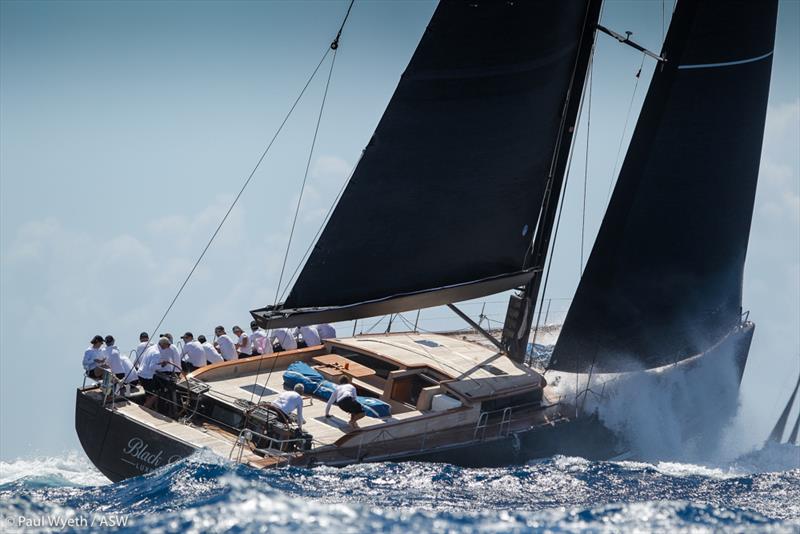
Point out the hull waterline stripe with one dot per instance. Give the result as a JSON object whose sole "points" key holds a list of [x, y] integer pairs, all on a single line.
{"points": [[727, 63]]}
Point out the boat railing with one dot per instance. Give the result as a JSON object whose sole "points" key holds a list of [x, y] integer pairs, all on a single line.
{"points": [[109, 385], [487, 419], [185, 410], [274, 447], [483, 423]]}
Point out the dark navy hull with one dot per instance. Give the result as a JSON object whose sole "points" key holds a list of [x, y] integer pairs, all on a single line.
{"points": [[118, 446], [585, 437]]}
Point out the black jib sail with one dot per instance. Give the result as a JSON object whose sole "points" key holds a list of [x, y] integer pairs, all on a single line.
{"points": [[444, 202], [664, 279]]}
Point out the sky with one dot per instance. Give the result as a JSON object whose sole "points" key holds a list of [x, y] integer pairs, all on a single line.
{"points": [[127, 128]]}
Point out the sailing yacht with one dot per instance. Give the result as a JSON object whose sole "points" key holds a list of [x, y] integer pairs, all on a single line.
{"points": [[471, 155]]}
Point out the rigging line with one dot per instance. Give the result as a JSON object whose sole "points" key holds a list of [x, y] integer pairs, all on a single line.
{"points": [[552, 248], [333, 46], [297, 209], [376, 323], [319, 230], [560, 133], [305, 178], [586, 158], [335, 43], [233, 204], [624, 129], [560, 212]]}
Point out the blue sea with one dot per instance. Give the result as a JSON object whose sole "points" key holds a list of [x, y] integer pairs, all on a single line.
{"points": [[759, 491]]}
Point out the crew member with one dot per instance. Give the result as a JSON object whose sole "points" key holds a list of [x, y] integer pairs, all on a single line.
{"points": [[144, 343], [119, 364], [212, 356], [325, 331], [167, 359], [259, 339], [113, 358], [175, 353], [131, 377], [94, 358], [309, 336], [282, 340], [289, 401], [193, 356], [149, 363], [344, 396], [225, 344], [243, 345]]}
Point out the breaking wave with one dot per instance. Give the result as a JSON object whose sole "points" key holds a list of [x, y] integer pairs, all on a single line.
{"points": [[206, 494]]}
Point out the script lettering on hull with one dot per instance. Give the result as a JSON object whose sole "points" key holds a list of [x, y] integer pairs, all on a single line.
{"points": [[139, 454]]}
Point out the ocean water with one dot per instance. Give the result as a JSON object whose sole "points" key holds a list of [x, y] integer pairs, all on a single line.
{"points": [[759, 491]]}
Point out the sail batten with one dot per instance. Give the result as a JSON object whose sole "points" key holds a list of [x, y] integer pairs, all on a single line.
{"points": [[443, 201], [664, 279]]}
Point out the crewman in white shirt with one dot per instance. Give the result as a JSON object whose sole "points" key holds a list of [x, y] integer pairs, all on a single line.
{"points": [[131, 377], [225, 344], [169, 357], [155, 358], [212, 356], [309, 335], [193, 356], [284, 338], [175, 354], [258, 339], [243, 345], [325, 331], [289, 401], [113, 357], [142, 363], [94, 358], [144, 343], [119, 364], [344, 396]]}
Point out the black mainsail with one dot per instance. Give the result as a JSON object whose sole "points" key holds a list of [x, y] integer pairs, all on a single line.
{"points": [[446, 198], [664, 279]]}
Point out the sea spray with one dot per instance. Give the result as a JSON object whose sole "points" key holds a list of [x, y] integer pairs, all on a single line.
{"points": [[72, 469], [677, 412]]}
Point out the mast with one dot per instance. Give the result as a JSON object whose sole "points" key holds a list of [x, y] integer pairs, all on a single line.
{"points": [[519, 316]]}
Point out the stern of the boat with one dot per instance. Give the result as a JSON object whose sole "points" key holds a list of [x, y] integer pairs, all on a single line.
{"points": [[118, 446]]}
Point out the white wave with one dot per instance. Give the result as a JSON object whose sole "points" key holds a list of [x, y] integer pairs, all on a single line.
{"points": [[571, 464], [74, 468], [772, 457], [673, 413], [677, 469]]}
